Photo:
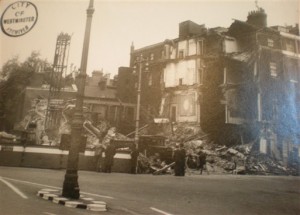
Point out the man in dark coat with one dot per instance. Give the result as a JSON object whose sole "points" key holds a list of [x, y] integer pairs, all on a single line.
{"points": [[110, 152], [179, 158], [134, 158], [202, 161], [98, 157]]}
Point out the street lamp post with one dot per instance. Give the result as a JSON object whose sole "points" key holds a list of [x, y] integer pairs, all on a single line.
{"points": [[140, 63], [70, 185]]}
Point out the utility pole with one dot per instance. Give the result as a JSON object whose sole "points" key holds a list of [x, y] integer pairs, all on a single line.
{"points": [[70, 185], [138, 104], [140, 62]]}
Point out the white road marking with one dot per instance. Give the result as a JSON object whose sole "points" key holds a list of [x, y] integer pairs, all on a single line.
{"points": [[28, 182], [127, 210], [160, 211], [49, 213], [15, 189], [91, 194], [43, 185]]}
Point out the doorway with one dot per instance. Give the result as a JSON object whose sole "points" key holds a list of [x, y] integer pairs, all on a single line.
{"points": [[173, 113]]}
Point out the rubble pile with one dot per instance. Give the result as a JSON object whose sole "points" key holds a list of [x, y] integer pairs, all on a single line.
{"points": [[182, 133], [112, 134], [262, 164], [221, 159], [96, 133], [8, 138], [241, 159], [102, 135], [4, 134], [144, 164], [185, 132]]}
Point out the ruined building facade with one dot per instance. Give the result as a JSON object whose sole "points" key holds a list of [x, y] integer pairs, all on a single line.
{"points": [[101, 98], [150, 61], [250, 91], [269, 81], [240, 84], [182, 74]]}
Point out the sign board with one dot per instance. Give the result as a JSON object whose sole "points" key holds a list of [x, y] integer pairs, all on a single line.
{"points": [[161, 120]]}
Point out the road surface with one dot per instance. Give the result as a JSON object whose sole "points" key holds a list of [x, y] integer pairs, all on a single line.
{"points": [[148, 194]]}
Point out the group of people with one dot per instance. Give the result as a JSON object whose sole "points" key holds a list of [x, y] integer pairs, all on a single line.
{"points": [[105, 164], [179, 156], [180, 160]]}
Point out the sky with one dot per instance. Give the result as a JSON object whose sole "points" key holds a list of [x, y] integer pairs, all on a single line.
{"points": [[118, 23]]}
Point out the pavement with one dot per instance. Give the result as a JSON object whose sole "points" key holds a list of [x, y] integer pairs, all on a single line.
{"points": [[83, 202]]}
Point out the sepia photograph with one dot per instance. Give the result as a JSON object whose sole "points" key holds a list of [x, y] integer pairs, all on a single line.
{"points": [[139, 107]]}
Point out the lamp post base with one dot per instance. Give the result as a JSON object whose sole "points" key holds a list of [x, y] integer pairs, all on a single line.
{"points": [[70, 186]]}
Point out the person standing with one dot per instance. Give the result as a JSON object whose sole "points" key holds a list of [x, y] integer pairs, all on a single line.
{"points": [[202, 161], [134, 159], [179, 158], [98, 157], [110, 152]]}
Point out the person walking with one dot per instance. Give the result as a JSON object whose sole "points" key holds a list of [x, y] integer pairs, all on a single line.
{"points": [[110, 152], [179, 158]]}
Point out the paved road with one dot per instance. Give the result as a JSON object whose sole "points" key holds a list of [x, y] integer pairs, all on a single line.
{"points": [[147, 194]]}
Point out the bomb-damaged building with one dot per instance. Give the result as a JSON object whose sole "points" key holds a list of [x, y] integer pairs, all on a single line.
{"points": [[239, 84]]}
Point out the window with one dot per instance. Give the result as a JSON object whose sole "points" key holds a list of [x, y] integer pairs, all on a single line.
{"points": [[112, 113], [274, 109], [191, 76], [173, 113], [192, 47], [121, 112], [292, 71], [129, 114], [162, 54], [224, 75], [187, 104], [180, 81], [162, 82], [150, 80], [172, 53], [259, 107], [234, 75], [180, 54], [273, 69], [152, 56], [270, 42], [289, 45], [200, 71], [200, 47]]}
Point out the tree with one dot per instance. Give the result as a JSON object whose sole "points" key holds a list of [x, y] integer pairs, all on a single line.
{"points": [[15, 77]]}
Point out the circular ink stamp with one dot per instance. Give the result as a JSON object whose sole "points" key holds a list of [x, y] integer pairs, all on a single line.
{"points": [[19, 18]]}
